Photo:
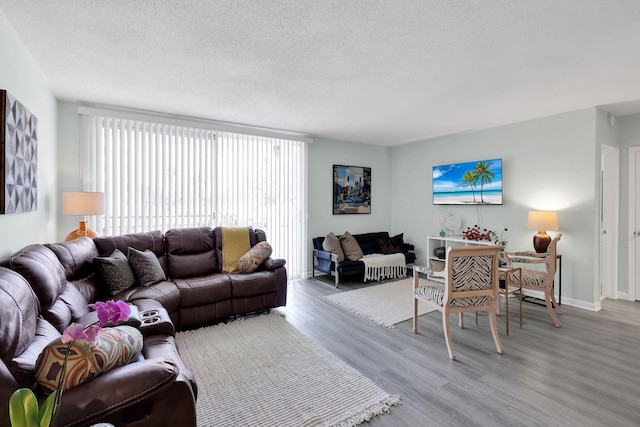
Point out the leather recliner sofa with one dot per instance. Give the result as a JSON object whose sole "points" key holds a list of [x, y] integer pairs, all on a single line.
{"points": [[46, 287]]}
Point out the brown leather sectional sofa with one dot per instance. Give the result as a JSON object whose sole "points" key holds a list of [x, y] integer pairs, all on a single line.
{"points": [[46, 287]]}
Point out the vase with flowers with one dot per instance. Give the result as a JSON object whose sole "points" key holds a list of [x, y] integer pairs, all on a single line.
{"points": [[23, 405], [478, 234]]}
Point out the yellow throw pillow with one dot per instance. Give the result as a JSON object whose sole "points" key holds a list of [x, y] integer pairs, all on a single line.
{"points": [[113, 347], [235, 243]]}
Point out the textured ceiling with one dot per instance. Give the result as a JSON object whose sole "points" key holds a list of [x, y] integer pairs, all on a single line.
{"points": [[372, 71]]}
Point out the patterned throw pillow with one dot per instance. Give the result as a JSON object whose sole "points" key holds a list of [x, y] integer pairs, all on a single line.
{"points": [[146, 267], [350, 247], [388, 246], [250, 261], [113, 347], [332, 244], [115, 272]]}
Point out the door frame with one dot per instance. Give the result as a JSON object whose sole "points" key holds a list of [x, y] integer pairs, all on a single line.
{"points": [[632, 286], [609, 205]]}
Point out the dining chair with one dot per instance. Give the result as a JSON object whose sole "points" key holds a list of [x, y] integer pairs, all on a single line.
{"points": [[470, 285], [538, 279]]}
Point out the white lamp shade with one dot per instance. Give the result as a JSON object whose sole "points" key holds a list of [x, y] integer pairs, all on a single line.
{"points": [[543, 220], [82, 203]]}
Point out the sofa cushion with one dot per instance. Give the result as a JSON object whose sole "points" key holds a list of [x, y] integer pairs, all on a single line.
{"points": [[115, 272], [250, 261], [350, 246], [42, 269], [204, 290], [332, 244], [191, 252], [112, 347], [76, 256], [145, 266], [18, 316]]}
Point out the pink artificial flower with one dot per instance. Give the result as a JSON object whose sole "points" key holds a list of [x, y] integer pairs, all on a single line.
{"points": [[74, 331], [111, 311], [92, 332]]}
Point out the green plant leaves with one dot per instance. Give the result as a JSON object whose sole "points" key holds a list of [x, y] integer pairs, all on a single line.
{"points": [[23, 408]]}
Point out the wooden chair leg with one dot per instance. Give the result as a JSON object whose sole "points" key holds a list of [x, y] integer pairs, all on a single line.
{"points": [[555, 303], [547, 299], [447, 335], [460, 320], [415, 315], [494, 331]]}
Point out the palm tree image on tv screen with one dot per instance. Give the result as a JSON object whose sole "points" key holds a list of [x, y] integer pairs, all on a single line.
{"points": [[471, 183]]}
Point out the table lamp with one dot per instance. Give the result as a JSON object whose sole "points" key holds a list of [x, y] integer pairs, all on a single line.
{"points": [[82, 203], [542, 221]]}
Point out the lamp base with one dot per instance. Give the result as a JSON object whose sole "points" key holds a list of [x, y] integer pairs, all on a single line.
{"points": [[83, 231], [541, 241]]}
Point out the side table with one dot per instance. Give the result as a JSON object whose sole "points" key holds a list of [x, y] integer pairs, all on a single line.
{"points": [[510, 289]]}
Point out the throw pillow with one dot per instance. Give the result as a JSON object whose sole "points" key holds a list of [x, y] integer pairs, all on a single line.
{"points": [[250, 261], [398, 240], [388, 246], [332, 244], [112, 347], [115, 272], [145, 266], [350, 247]]}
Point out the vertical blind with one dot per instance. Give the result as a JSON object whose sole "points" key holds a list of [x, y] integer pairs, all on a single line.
{"points": [[158, 176]]}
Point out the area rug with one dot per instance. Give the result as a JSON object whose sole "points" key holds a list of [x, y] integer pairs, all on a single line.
{"points": [[262, 371], [385, 304]]}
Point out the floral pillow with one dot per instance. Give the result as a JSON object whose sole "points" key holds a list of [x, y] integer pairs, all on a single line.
{"points": [[250, 261], [112, 347]]}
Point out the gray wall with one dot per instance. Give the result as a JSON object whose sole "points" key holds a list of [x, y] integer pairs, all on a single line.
{"points": [[21, 77], [323, 154], [548, 164]]}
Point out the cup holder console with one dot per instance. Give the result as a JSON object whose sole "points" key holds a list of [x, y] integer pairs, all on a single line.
{"points": [[156, 321]]}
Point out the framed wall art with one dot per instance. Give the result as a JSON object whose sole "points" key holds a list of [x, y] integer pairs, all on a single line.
{"points": [[351, 190], [18, 156]]}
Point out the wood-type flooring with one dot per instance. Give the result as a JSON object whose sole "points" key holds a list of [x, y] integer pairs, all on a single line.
{"points": [[586, 373]]}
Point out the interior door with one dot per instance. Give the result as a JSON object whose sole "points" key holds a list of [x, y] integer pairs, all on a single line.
{"points": [[609, 202], [634, 222]]}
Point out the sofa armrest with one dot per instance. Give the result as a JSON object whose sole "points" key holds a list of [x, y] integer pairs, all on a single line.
{"points": [[406, 247], [273, 263], [116, 390]]}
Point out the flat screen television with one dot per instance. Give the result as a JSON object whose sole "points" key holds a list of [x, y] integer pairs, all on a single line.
{"points": [[471, 183]]}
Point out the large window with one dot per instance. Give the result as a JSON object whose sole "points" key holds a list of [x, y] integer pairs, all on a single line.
{"points": [[158, 176]]}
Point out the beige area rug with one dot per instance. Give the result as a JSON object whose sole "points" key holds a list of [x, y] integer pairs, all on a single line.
{"points": [[385, 304], [262, 371]]}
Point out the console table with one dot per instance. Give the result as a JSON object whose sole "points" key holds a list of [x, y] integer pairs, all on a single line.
{"points": [[434, 242]]}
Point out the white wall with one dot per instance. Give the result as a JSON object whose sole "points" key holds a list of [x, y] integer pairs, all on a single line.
{"points": [[548, 164], [21, 77], [323, 154]]}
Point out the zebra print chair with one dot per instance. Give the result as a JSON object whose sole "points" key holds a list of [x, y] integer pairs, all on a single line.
{"points": [[540, 280], [471, 284]]}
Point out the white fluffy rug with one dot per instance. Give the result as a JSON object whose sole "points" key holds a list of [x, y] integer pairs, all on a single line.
{"points": [[385, 304], [262, 371]]}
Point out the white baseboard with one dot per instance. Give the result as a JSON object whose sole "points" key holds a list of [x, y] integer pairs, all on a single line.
{"points": [[566, 301]]}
